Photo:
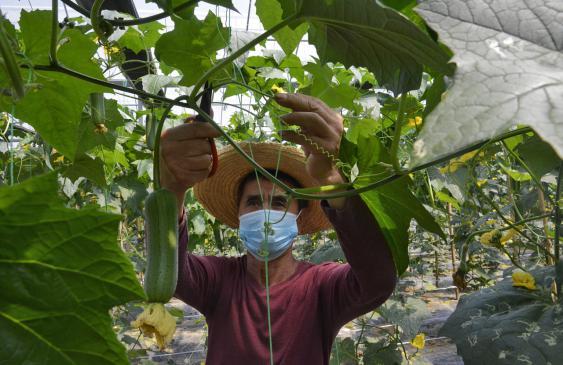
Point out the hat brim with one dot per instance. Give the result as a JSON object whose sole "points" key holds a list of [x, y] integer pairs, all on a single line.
{"points": [[218, 194]]}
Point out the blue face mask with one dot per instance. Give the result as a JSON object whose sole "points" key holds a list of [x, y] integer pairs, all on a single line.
{"points": [[281, 227]]}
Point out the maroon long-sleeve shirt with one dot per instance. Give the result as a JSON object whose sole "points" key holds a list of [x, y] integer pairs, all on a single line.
{"points": [[307, 310]]}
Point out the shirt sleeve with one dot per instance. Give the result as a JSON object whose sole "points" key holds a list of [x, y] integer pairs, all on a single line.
{"points": [[198, 276], [369, 277]]}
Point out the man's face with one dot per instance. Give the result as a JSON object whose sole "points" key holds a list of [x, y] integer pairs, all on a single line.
{"points": [[251, 200]]}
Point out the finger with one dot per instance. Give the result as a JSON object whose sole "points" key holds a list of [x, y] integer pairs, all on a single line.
{"points": [[190, 165], [306, 103], [191, 148], [311, 123], [190, 131], [202, 162]]}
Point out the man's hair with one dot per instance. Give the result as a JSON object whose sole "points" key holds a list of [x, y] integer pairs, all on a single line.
{"points": [[301, 204]]}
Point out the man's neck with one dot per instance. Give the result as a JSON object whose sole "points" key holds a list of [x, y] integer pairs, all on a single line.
{"points": [[279, 269]]}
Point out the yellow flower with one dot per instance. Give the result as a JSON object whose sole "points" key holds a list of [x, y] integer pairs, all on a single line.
{"points": [[59, 159], [110, 50], [278, 90], [508, 235], [491, 221], [414, 122], [100, 128], [418, 341], [523, 279], [156, 320], [458, 162], [491, 238], [481, 182]]}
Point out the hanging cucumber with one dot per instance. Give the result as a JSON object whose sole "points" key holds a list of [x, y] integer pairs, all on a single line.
{"points": [[161, 232], [150, 129], [98, 112], [10, 64]]}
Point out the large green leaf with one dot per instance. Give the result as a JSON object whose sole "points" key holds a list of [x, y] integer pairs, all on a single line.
{"points": [[510, 72], [370, 35], [55, 108], [393, 205], [65, 270], [192, 46], [509, 325], [270, 14], [334, 94]]}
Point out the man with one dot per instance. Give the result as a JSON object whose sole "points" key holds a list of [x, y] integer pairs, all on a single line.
{"points": [[308, 303]]}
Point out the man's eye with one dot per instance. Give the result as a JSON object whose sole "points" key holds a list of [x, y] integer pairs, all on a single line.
{"points": [[279, 203]]}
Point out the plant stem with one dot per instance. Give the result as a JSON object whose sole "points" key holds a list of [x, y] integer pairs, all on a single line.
{"points": [[548, 244], [96, 19], [452, 246], [283, 186], [239, 52], [221, 84], [528, 170], [497, 209], [129, 22], [54, 33], [558, 265], [397, 134]]}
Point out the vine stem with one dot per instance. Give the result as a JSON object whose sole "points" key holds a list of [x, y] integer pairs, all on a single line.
{"points": [[54, 33], [528, 170], [129, 22], [239, 52], [191, 104], [293, 192], [464, 252], [156, 150], [558, 265], [397, 134], [96, 19]]}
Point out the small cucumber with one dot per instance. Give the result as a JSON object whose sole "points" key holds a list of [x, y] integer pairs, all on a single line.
{"points": [[10, 63], [161, 239], [97, 108]]}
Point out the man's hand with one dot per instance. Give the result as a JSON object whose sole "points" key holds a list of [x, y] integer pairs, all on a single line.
{"points": [[321, 125], [324, 127], [185, 157]]}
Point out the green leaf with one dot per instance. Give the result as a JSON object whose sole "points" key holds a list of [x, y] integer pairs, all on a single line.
{"points": [[379, 353], [140, 37], [270, 14], [447, 199], [370, 35], [224, 3], [192, 45], [90, 168], [66, 272], [508, 325], [89, 138], [511, 76], [409, 314], [35, 29], [515, 174], [55, 108], [335, 95], [328, 252], [538, 156], [344, 352], [393, 205]]}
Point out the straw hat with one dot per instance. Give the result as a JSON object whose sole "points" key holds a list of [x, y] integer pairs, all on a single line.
{"points": [[218, 194]]}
